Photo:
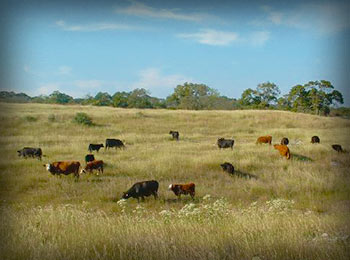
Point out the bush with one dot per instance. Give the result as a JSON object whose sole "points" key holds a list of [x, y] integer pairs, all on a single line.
{"points": [[83, 119], [31, 118]]}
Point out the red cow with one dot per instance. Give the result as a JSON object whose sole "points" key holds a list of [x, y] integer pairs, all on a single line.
{"points": [[185, 189]]}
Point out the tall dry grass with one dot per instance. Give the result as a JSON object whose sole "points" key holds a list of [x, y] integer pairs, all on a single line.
{"points": [[44, 216]]}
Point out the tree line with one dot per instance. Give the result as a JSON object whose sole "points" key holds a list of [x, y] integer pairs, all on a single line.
{"points": [[317, 97]]}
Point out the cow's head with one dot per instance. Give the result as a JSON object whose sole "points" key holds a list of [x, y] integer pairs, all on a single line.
{"points": [[47, 166], [19, 153], [170, 187], [82, 171], [125, 195]]}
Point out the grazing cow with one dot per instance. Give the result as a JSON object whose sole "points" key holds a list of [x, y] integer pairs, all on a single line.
{"points": [[175, 135], [64, 167], [264, 140], [315, 139], [94, 165], [30, 152], [225, 143], [185, 189], [114, 143], [283, 149], [285, 141], [228, 167], [142, 189], [89, 158], [95, 147], [338, 148]]}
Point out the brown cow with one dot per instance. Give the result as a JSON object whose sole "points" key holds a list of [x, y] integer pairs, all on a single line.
{"points": [[283, 149], [64, 167], [93, 165], [264, 140], [185, 189]]}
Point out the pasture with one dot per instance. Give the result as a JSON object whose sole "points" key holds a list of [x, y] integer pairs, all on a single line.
{"points": [[295, 209]]}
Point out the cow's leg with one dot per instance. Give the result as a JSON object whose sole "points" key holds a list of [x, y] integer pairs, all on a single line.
{"points": [[155, 194], [142, 198]]}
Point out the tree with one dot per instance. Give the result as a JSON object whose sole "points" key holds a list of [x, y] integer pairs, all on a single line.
{"points": [[120, 99], [192, 96], [139, 98], [59, 98], [250, 97], [268, 93], [102, 99]]}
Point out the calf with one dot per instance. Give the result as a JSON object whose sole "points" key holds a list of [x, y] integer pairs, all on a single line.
{"points": [[142, 189], [63, 167], [283, 149], [30, 152], [228, 167], [94, 165], [175, 135], [338, 148], [315, 140], [95, 147], [225, 143], [114, 143], [264, 140], [185, 189], [284, 141], [89, 158]]}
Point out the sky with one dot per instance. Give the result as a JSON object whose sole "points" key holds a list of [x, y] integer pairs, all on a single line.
{"points": [[84, 47]]}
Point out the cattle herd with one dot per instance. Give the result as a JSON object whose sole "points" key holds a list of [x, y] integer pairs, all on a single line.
{"points": [[147, 188]]}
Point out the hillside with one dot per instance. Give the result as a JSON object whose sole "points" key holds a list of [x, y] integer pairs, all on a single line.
{"points": [[295, 209]]}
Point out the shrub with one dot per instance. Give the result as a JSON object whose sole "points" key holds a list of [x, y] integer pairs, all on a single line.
{"points": [[31, 118], [83, 119]]}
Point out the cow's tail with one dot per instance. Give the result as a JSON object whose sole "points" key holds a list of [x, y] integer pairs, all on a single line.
{"points": [[288, 155]]}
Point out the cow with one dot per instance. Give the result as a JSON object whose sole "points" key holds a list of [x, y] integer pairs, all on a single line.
{"points": [[30, 152], [264, 140], [315, 139], [63, 167], [283, 149], [285, 141], [225, 143], [95, 147], [142, 189], [94, 165], [185, 189], [228, 167], [175, 135], [338, 148], [89, 158], [114, 143]]}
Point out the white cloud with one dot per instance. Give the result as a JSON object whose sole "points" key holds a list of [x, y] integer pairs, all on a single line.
{"points": [[64, 70], [323, 17], [93, 27], [211, 37], [48, 88], [160, 85], [142, 10], [259, 38]]}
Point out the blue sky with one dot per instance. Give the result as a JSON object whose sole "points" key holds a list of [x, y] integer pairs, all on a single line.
{"points": [[83, 47]]}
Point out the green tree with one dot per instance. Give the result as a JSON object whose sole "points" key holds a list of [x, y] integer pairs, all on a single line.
{"points": [[268, 93], [102, 99], [139, 98], [120, 99], [250, 97], [59, 98]]}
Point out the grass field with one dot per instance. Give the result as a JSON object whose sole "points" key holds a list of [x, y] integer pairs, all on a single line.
{"points": [[296, 209]]}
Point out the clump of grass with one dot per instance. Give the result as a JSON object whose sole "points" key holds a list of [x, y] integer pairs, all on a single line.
{"points": [[51, 118], [83, 119], [31, 118]]}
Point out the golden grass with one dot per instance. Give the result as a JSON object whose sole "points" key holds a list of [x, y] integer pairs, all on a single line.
{"points": [[46, 217]]}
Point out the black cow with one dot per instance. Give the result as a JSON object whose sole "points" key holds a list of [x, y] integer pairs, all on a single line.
{"points": [[142, 189], [228, 167], [225, 143], [114, 143], [95, 147], [175, 135], [338, 148], [315, 139], [285, 141], [89, 158], [30, 152]]}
